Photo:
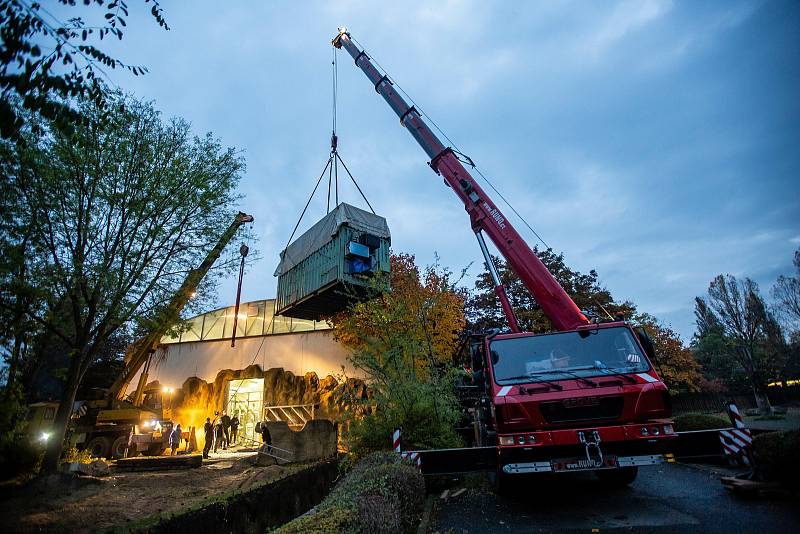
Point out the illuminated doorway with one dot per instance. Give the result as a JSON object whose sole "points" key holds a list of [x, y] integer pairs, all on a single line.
{"points": [[246, 399]]}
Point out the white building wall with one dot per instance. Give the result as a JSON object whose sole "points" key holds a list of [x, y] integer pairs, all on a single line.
{"points": [[299, 352]]}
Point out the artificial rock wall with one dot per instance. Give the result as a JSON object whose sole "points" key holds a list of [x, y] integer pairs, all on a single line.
{"points": [[197, 399]]}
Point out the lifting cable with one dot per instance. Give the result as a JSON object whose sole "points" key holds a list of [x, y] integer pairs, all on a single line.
{"points": [[332, 165], [458, 152]]}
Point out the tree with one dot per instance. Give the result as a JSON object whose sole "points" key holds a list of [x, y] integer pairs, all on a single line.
{"points": [[712, 349], [117, 213], [483, 308], [46, 62], [404, 341], [786, 293], [738, 311], [674, 361]]}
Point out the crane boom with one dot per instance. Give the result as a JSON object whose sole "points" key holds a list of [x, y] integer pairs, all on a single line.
{"points": [[141, 350], [484, 215]]}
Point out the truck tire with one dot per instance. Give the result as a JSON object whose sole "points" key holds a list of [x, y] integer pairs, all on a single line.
{"points": [[500, 482], [617, 478], [99, 446], [119, 446]]}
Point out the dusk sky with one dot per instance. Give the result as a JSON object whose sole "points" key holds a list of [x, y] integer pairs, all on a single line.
{"points": [[654, 141]]}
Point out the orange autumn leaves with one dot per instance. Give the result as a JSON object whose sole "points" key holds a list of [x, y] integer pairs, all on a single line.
{"points": [[417, 322]]}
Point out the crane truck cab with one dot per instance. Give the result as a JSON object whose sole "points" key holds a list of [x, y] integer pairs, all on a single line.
{"points": [[586, 399]]}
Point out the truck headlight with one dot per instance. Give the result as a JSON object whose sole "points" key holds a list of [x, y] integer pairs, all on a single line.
{"points": [[644, 431], [506, 440], [668, 429]]}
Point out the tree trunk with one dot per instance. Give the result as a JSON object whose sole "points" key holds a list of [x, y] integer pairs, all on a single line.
{"points": [[55, 445], [762, 400]]}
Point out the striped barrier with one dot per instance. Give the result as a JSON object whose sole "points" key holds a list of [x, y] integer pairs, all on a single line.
{"points": [[737, 442], [396, 440], [413, 458]]}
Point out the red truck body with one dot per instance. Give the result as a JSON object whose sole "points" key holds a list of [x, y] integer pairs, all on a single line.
{"points": [[585, 397]]}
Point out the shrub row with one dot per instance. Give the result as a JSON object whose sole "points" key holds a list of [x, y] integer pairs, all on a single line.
{"points": [[380, 494], [699, 421], [777, 456]]}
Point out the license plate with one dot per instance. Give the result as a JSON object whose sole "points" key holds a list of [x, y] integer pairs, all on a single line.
{"points": [[582, 464]]}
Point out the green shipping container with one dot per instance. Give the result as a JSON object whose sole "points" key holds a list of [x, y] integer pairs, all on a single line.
{"points": [[333, 264]]}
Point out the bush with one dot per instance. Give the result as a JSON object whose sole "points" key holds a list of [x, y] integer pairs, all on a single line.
{"points": [[699, 421], [777, 457], [380, 494], [424, 425], [333, 521], [18, 456], [74, 455]]}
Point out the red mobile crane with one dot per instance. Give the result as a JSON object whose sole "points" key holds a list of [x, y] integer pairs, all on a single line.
{"points": [[585, 397]]}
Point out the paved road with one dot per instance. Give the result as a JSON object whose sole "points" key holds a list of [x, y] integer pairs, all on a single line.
{"points": [[669, 498]]}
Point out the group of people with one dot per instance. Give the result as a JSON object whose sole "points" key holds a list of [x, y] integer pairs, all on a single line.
{"points": [[222, 432]]}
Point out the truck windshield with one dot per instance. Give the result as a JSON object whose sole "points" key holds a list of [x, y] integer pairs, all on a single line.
{"points": [[558, 356]]}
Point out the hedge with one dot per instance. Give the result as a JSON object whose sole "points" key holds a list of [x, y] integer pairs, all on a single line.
{"points": [[380, 494], [777, 457], [699, 421]]}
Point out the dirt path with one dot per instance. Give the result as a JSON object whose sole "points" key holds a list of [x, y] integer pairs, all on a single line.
{"points": [[86, 505]]}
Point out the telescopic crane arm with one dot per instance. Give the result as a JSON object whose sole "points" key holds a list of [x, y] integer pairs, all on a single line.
{"points": [[484, 215], [143, 348]]}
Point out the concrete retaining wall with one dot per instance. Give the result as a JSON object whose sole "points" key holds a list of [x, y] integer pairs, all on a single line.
{"points": [[315, 441], [257, 510]]}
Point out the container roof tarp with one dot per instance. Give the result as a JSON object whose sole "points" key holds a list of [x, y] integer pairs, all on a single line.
{"points": [[327, 227]]}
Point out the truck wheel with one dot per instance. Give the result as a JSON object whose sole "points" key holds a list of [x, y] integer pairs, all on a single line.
{"points": [[617, 478], [99, 447], [500, 481], [119, 446]]}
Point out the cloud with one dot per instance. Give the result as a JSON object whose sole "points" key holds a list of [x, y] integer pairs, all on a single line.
{"points": [[625, 18], [652, 141]]}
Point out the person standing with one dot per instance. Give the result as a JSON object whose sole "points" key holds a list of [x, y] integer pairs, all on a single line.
{"points": [[175, 439], [235, 428], [219, 435], [226, 427], [208, 428]]}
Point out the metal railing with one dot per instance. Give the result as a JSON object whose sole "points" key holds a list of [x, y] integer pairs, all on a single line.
{"points": [[268, 450], [295, 415]]}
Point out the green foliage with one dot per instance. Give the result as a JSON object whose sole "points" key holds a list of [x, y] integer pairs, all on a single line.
{"points": [[738, 336], [483, 308], [109, 219], [17, 454], [74, 455], [335, 520], [699, 421], [46, 64], [380, 494], [403, 342], [675, 363], [777, 457]]}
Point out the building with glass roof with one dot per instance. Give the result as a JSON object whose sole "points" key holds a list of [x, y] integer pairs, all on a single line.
{"points": [[256, 318], [262, 338]]}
